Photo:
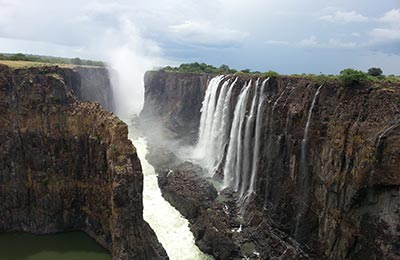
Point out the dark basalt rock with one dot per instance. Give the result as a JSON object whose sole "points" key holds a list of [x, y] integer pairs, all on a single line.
{"points": [[170, 99], [215, 220], [67, 165], [183, 187], [342, 202]]}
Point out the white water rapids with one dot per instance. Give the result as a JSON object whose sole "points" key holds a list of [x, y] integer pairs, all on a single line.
{"points": [[171, 227]]}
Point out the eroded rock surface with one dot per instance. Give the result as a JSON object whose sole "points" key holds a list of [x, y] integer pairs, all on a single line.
{"points": [[68, 165], [337, 198]]}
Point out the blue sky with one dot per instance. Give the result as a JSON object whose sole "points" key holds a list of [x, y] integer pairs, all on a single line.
{"points": [[310, 36]]}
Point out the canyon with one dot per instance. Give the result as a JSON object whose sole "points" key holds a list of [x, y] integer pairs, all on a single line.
{"points": [[321, 181], [285, 167], [67, 164]]}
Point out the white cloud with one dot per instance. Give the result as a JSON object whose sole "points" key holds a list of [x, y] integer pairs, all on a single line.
{"points": [[205, 33], [276, 42], [386, 38], [344, 17], [313, 42], [185, 30], [385, 34], [391, 17], [310, 42], [335, 43]]}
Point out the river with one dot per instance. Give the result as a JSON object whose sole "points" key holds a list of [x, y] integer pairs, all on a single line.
{"points": [[171, 227]]}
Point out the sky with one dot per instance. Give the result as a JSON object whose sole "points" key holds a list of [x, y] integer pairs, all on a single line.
{"points": [[308, 36]]}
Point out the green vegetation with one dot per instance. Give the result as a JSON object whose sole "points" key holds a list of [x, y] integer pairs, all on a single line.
{"points": [[375, 72], [201, 68], [351, 77], [120, 122], [223, 69], [48, 59]]}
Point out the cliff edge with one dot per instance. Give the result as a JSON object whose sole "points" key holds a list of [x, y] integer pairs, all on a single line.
{"points": [[68, 165], [328, 175]]}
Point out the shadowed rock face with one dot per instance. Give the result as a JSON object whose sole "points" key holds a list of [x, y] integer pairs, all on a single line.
{"points": [[342, 200], [68, 165], [172, 99], [96, 87]]}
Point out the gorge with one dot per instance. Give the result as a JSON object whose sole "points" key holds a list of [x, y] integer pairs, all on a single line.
{"points": [[67, 165], [279, 167], [310, 169]]}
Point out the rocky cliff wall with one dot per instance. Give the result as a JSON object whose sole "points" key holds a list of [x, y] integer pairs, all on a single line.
{"points": [[338, 195], [68, 165], [95, 86], [173, 99]]}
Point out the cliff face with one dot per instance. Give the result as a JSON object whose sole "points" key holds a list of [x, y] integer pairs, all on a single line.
{"points": [[172, 98], [68, 165], [337, 193], [95, 86]]}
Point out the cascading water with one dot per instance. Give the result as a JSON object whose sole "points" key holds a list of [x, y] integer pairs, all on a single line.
{"points": [[306, 181], [270, 142], [233, 157], [257, 138], [171, 227], [208, 118], [232, 144], [240, 152], [306, 130], [248, 141]]}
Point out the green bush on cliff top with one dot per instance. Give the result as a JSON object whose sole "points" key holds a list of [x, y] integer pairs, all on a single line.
{"points": [[348, 77], [351, 77], [196, 67]]}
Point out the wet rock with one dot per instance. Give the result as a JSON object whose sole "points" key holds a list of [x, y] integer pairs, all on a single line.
{"points": [[325, 199], [68, 165], [184, 188]]}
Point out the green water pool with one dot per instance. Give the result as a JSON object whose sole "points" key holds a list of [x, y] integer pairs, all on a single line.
{"points": [[65, 246]]}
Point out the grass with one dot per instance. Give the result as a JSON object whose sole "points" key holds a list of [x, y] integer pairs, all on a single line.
{"points": [[28, 64]]}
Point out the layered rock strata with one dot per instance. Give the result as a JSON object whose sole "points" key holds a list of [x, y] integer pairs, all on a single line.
{"points": [[338, 196], [68, 165]]}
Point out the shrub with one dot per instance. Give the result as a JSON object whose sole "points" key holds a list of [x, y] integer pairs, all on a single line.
{"points": [[375, 72], [76, 61], [351, 77], [18, 56], [270, 73]]}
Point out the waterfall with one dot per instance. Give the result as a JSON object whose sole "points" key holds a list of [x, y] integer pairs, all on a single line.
{"points": [[379, 143], [269, 144], [233, 157], [206, 122], [248, 141], [306, 182], [232, 142], [215, 131], [257, 137], [305, 138], [225, 127], [239, 152]]}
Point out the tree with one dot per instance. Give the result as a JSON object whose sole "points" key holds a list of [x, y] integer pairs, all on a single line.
{"points": [[76, 61], [350, 77], [375, 72], [270, 73], [224, 67], [18, 56]]}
